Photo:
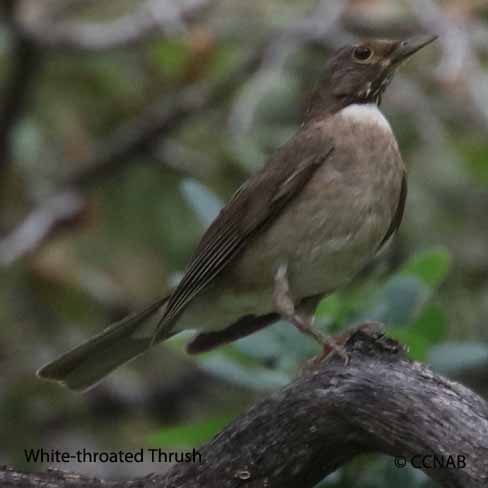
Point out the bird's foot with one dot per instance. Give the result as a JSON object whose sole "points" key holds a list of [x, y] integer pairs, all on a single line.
{"points": [[330, 348], [334, 346]]}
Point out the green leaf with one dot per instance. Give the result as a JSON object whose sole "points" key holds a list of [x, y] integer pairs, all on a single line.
{"points": [[418, 346], [398, 302], [262, 346], [171, 56], [475, 153], [404, 295], [456, 356], [341, 307], [189, 435], [429, 329], [330, 308], [203, 202], [225, 58], [432, 324], [430, 266], [254, 377]]}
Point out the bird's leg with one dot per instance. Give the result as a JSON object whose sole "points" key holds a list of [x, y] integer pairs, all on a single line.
{"points": [[283, 303], [331, 347], [303, 316]]}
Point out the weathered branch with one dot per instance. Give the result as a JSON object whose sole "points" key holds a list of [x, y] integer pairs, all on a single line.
{"points": [[379, 402]]}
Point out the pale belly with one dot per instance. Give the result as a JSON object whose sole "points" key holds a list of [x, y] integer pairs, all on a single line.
{"points": [[322, 254], [325, 236]]}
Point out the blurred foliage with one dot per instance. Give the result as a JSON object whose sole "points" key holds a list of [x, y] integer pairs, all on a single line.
{"points": [[189, 435], [140, 223]]}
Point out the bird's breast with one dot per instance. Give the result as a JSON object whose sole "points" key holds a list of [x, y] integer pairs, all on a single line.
{"points": [[333, 228]]}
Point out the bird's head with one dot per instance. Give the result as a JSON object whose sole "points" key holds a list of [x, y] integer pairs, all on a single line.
{"points": [[360, 73]]}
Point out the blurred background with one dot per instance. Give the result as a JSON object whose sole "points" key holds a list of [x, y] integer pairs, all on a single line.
{"points": [[125, 125]]}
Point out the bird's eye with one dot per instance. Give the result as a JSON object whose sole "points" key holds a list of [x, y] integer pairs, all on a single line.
{"points": [[362, 53]]}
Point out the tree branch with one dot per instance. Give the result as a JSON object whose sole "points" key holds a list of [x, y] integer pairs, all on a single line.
{"points": [[161, 119], [379, 402]]}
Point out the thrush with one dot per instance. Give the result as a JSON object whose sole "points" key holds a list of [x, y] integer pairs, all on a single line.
{"points": [[304, 225]]}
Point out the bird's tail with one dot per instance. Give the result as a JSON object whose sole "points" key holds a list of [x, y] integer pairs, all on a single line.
{"points": [[86, 364]]}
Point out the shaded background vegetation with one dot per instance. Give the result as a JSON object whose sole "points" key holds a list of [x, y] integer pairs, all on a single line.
{"points": [[125, 125]]}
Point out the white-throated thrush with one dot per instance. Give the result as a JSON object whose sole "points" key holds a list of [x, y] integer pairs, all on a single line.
{"points": [[295, 231]]}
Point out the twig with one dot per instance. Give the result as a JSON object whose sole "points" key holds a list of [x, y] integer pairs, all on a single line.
{"points": [[55, 213], [158, 121], [379, 402], [161, 119]]}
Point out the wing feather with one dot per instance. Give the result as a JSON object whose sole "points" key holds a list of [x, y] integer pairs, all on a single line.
{"points": [[398, 216], [254, 205]]}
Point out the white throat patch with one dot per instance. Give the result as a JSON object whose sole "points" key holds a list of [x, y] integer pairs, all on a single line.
{"points": [[366, 113]]}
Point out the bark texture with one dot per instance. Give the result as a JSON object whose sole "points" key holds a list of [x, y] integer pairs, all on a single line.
{"points": [[379, 402]]}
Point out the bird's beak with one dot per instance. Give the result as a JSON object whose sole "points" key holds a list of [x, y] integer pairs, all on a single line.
{"points": [[409, 47]]}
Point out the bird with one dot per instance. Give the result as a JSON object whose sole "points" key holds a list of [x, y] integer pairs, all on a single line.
{"points": [[318, 211]]}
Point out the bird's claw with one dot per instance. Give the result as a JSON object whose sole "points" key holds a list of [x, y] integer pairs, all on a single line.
{"points": [[330, 349]]}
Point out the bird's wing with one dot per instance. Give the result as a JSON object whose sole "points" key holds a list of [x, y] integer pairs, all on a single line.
{"points": [[397, 217], [254, 206]]}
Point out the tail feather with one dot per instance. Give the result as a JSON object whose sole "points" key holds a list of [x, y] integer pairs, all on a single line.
{"points": [[86, 364]]}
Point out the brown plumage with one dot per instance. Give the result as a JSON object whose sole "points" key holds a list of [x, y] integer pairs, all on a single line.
{"points": [[299, 228]]}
